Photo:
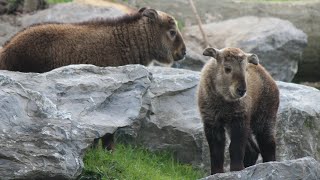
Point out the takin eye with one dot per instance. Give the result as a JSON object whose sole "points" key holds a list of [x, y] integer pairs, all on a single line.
{"points": [[173, 33], [227, 70]]}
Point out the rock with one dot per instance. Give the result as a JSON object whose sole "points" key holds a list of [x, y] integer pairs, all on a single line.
{"points": [[305, 168], [33, 5], [6, 31], [298, 128], [171, 120], [278, 43], [305, 15], [49, 120], [65, 12], [70, 12]]}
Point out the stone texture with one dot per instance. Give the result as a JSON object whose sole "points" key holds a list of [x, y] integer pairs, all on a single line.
{"points": [[171, 119], [48, 120], [7, 28], [300, 169], [278, 43], [69, 12], [65, 12], [298, 129], [304, 14]]}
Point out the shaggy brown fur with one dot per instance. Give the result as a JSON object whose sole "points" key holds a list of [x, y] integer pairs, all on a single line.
{"points": [[237, 94], [132, 39]]}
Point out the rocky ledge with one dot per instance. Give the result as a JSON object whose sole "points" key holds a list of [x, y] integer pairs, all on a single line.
{"points": [[49, 120]]}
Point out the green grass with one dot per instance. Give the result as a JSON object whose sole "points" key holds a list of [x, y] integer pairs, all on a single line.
{"points": [[127, 163], [57, 1]]}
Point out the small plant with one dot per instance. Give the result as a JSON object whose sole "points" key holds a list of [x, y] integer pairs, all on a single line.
{"points": [[180, 24], [128, 162]]}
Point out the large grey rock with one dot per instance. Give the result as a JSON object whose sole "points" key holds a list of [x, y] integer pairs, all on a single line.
{"points": [[48, 120], [70, 12], [278, 43], [7, 28], [298, 129], [300, 169], [304, 14], [65, 13], [171, 120]]}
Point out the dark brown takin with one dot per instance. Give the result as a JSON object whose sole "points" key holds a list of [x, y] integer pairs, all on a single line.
{"points": [[138, 38], [236, 94]]}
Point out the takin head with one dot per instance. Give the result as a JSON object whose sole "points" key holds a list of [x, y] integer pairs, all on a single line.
{"points": [[169, 44], [231, 71]]}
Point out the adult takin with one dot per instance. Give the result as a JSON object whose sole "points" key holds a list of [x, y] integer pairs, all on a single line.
{"points": [[236, 94], [138, 38]]}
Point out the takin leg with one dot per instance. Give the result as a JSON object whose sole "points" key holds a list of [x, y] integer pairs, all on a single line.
{"points": [[239, 139], [267, 145], [251, 153], [216, 139], [107, 142]]}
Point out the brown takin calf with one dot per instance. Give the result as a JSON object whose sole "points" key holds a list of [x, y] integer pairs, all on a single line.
{"points": [[139, 38], [238, 94]]}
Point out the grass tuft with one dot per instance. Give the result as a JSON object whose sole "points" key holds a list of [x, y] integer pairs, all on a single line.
{"points": [[128, 162]]}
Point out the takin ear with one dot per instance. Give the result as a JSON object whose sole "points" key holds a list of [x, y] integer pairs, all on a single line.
{"points": [[212, 52], [142, 9], [253, 59], [150, 13]]}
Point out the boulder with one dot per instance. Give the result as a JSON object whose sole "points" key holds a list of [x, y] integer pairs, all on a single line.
{"points": [[171, 118], [65, 13], [305, 168], [277, 42], [49, 120], [6, 31], [298, 128], [304, 14], [68, 13]]}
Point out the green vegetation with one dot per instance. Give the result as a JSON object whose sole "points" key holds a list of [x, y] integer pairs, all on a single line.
{"points": [[180, 24], [128, 162], [57, 1]]}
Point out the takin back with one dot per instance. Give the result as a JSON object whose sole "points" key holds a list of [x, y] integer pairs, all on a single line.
{"points": [[138, 38]]}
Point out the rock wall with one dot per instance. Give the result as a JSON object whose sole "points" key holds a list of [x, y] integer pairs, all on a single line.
{"points": [[49, 120]]}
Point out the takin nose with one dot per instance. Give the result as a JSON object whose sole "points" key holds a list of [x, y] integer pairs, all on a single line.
{"points": [[241, 91], [184, 51]]}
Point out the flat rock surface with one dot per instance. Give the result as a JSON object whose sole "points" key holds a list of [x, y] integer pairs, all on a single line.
{"points": [[300, 169]]}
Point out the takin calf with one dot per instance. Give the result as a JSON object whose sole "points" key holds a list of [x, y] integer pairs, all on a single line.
{"points": [[237, 93], [138, 38]]}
